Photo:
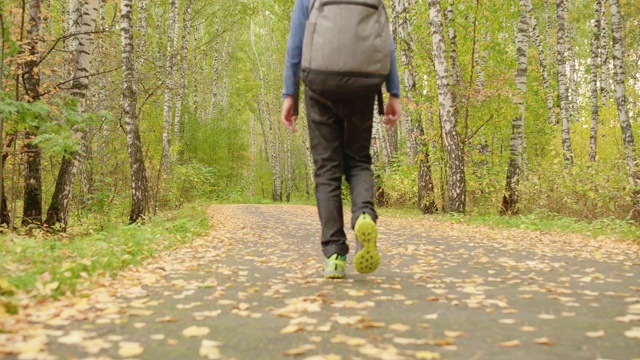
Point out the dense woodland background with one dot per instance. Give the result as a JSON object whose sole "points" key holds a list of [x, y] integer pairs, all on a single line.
{"points": [[128, 107]]}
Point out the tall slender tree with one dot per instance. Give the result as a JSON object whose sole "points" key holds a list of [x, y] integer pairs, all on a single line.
{"points": [[139, 190], [172, 35], [456, 181], [5, 218], [605, 54], [621, 102], [184, 66], [58, 211], [593, 83], [514, 171], [417, 147], [563, 84], [32, 205], [542, 55]]}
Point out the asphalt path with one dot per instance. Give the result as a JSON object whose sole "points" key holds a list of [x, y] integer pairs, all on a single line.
{"points": [[252, 289]]}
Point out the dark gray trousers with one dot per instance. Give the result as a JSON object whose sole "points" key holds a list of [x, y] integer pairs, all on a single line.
{"points": [[340, 136]]}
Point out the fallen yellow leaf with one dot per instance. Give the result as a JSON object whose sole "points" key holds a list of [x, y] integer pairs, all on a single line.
{"points": [[453, 334], [595, 334], [427, 355], [194, 331], [291, 329], [166, 319], [508, 344], [543, 341], [634, 333], [300, 350], [399, 327], [130, 349]]}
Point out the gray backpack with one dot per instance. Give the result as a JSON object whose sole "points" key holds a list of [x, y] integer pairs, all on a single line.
{"points": [[347, 48]]}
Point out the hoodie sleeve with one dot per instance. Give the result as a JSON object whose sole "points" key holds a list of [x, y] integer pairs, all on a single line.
{"points": [[294, 48], [393, 79]]}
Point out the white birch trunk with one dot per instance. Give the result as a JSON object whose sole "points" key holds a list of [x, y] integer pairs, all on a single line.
{"points": [[563, 88], [184, 65], [139, 191], [593, 82], [169, 86], [546, 83], [268, 131], [58, 211], [406, 15], [605, 55], [481, 64], [416, 146], [621, 102], [456, 181], [456, 72], [74, 24], [516, 148], [572, 77], [141, 27]]}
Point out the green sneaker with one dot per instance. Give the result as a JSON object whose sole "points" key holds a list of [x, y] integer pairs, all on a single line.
{"points": [[335, 266], [367, 259]]}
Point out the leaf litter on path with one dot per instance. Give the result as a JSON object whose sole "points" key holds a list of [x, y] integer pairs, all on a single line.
{"points": [[512, 277]]}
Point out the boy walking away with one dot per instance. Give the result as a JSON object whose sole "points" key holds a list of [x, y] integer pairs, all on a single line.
{"points": [[343, 52]]}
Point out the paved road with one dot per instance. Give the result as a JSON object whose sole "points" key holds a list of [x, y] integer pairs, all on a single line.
{"points": [[252, 290]]}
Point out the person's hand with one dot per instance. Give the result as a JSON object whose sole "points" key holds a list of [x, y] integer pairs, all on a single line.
{"points": [[288, 119], [392, 112]]}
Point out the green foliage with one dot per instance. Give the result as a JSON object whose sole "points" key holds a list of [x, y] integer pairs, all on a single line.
{"points": [[53, 265], [21, 115]]}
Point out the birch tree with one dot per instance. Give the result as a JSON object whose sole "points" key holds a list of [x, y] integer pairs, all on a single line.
{"points": [[32, 204], [593, 81], [456, 180], [516, 148], [172, 35], [456, 72], [605, 54], [542, 55], [416, 145], [141, 26], [59, 208], [5, 218], [139, 191], [563, 89], [184, 65], [621, 102]]}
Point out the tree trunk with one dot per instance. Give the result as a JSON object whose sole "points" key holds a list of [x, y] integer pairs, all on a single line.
{"points": [[621, 102], [184, 65], [58, 211], [546, 83], [426, 188], [456, 72], [593, 84], [5, 218], [605, 55], [416, 146], [32, 206], [139, 192], [172, 34], [572, 76], [563, 89], [141, 27], [405, 15], [456, 180], [514, 171]]}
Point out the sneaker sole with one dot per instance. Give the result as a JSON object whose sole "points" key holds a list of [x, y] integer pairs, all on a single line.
{"points": [[367, 259], [334, 276]]}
